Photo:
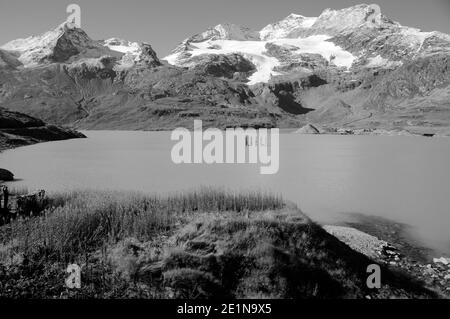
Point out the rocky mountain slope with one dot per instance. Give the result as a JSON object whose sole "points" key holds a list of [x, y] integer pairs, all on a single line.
{"points": [[352, 68], [18, 129]]}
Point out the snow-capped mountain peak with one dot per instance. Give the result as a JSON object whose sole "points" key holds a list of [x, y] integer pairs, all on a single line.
{"points": [[226, 31], [134, 53], [294, 22], [335, 21], [68, 43], [56, 45], [40, 40]]}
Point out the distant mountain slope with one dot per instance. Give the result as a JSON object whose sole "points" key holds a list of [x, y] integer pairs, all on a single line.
{"points": [[346, 68], [349, 38]]}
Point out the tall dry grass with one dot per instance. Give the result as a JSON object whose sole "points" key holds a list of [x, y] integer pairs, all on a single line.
{"points": [[81, 221], [18, 190]]}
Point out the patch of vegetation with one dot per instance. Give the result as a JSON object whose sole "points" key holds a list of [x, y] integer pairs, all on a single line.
{"points": [[83, 221], [204, 244]]}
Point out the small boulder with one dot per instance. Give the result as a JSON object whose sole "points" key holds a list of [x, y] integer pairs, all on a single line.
{"points": [[441, 260], [308, 129], [6, 175]]}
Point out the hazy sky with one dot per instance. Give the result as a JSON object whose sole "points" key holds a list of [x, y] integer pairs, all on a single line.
{"points": [[165, 23]]}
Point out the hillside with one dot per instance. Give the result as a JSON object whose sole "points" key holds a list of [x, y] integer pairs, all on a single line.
{"points": [[17, 129], [352, 68]]}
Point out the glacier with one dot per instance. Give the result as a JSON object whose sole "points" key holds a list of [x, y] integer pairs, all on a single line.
{"points": [[255, 51]]}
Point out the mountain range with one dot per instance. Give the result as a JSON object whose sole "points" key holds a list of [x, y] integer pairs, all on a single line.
{"points": [[351, 68]]}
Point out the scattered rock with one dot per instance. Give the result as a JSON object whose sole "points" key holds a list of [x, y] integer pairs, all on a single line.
{"points": [[436, 275], [429, 271]]}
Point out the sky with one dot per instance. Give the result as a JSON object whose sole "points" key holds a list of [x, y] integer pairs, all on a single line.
{"points": [[165, 23]]}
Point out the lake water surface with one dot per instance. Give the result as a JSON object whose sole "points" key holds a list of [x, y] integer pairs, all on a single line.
{"points": [[406, 179]]}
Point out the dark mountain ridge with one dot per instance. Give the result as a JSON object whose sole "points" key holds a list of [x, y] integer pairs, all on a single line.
{"points": [[17, 129]]}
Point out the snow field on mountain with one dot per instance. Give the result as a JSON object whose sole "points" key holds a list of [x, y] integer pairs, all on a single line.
{"points": [[255, 51], [122, 46], [251, 50], [32, 46], [414, 36], [318, 44], [283, 28]]}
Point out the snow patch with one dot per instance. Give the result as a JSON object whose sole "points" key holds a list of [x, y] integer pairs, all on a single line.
{"points": [[309, 22], [318, 44], [379, 61], [122, 46], [283, 28], [174, 58], [415, 36]]}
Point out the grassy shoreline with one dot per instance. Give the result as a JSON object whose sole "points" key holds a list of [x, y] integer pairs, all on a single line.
{"points": [[202, 244]]}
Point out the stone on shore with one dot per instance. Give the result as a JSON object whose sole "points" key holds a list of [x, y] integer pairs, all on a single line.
{"points": [[308, 129], [442, 260]]}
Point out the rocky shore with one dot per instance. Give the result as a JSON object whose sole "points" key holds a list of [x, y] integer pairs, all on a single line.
{"points": [[316, 129], [435, 275]]}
